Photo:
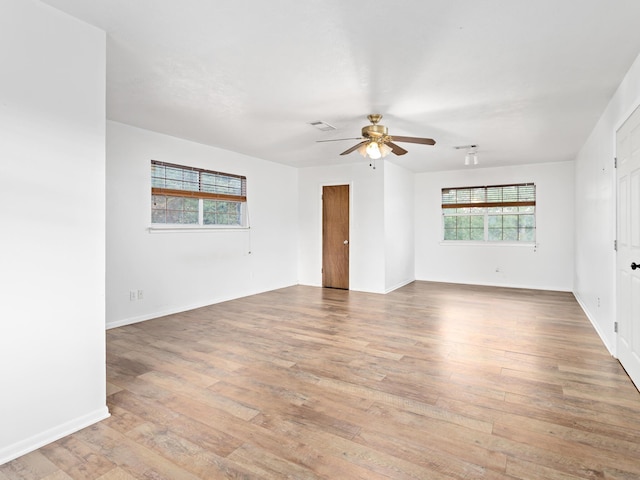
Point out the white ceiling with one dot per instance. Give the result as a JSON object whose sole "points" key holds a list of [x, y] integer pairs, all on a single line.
{"points": [[525, 80]]}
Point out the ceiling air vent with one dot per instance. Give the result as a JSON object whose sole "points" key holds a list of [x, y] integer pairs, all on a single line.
{"points": [[323, 126]]}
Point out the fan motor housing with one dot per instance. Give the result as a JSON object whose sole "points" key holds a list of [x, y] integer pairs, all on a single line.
{"points": [[374, 131]]}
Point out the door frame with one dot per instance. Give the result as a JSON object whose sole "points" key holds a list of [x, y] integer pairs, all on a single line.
{"points": [[626, 115], [320, 234]]}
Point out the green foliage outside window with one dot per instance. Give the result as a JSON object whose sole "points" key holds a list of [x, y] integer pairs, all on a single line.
{"points": [[217, 212], [503, 213]]}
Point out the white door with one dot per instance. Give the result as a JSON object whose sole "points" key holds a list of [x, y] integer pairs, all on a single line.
{"points": [[628, 256]]}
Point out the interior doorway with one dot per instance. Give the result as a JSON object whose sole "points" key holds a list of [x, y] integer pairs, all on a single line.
{"points": [[335, 236], [628, 246]]}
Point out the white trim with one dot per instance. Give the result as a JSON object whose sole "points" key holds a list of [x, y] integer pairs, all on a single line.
{"points": [[163, 313], [472, 243], [184, 308], [614, 196], [375, 292], [595, 325], [399, 285], [497, 284], [51, 435], [194, 228], [625, 117]]}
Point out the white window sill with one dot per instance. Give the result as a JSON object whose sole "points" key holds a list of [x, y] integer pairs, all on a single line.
{"points": [[195, 228], [472, 243]]}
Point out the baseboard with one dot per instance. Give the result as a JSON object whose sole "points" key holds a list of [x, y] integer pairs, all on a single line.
{"points": [[500, 285], [150, 316], [383, 292], [595, 325], [543, 288], [184, 308], [399, 285], [44, 438]]}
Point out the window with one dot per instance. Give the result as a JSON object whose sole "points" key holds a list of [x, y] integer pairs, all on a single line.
{"points": [[499, 213], [192, 196]]}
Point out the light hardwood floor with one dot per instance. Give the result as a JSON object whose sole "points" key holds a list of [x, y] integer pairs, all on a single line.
{"points": [[432, 381]]}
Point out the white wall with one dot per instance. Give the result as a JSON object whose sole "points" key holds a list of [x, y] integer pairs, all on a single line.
{"points": [[595, 216], [178, 271], [398, 226], [367, 237], [52, 342], [548, 266]]}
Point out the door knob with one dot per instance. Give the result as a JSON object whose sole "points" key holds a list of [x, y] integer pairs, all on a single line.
{"points": [[346, 242], [635, 265]]}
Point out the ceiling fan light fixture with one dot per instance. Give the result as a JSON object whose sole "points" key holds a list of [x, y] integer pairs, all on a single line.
{"points": [[373, 150], [385, 150], [362, 150], [377, 143]]}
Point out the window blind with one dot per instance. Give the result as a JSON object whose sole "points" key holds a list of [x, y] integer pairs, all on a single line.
{"points": [[182, 181], [515, 195]]}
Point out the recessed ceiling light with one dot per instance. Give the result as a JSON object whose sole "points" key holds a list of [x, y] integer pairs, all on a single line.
{"points": [[323, 126]]}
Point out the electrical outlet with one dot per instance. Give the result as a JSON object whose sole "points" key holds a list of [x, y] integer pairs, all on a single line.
{"points": [[140, 294], [132, 295]]}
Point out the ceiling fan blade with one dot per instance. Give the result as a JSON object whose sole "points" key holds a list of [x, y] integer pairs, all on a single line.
{"points": [[354, 148], [339, 139], [397, 149], [423, 141]]}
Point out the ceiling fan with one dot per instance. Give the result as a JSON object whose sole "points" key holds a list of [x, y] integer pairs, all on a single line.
{"points": [[376, 141]]}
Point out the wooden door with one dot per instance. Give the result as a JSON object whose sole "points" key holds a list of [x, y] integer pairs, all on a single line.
{"points": [[628, 252], [335, 236]]}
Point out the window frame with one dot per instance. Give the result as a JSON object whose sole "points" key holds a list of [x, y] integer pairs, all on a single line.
{"points": [[484, 198], [197, 190]]}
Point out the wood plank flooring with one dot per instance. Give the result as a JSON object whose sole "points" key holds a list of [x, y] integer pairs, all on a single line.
{"points": [[432, 381]]}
